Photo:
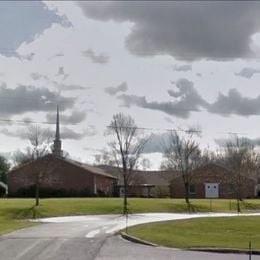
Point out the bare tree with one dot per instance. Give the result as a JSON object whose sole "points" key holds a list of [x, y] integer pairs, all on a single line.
{"points": [[239, 158], [144, 164], [208, 157], [39, 140], [126, 149], [22, 157], [104, 158], [39, 145], [184, 155]]}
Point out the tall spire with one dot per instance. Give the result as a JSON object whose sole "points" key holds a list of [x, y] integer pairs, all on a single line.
{"points": [[57, 142], [57, 135]]}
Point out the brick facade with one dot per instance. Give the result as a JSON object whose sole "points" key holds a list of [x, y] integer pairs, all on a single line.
{"points": [[213, 174], [58, 173]]}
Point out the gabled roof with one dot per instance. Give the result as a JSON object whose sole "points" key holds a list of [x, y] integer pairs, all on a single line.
{"points": [[222, 168], [211, 166], [89, 168], [161, 178], [214, 168]]}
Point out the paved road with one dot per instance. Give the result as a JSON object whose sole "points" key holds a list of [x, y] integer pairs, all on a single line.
{"points": [[92, 237]]}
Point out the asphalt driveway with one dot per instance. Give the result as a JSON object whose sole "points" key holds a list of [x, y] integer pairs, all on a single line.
{"points": [[93, 237]]}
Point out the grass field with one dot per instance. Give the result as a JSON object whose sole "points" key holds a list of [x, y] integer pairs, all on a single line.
{"points": [[224, 232], [14, 212]]}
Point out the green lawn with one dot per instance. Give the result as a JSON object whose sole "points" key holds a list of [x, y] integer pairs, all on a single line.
{"points": [[14, 212], [224, 232]]}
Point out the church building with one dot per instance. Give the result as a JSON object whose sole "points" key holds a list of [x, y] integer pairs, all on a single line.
{"points": [[58, 176]]}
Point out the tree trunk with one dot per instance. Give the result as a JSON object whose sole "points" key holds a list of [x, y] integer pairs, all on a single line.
{"points": [[238, 206], [239, 194], [37, 194], [125, 210], [187, 193], [239, 188]]}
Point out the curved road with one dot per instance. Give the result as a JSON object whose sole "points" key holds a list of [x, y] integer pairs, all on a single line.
{"points": [[93, 237]]}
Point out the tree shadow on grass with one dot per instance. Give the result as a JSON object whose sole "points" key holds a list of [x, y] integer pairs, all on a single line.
{"points": [[192, 208], [249, 206], [28, 213]]}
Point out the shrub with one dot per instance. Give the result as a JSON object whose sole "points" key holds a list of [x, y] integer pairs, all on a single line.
{"points": [[29, 192]]}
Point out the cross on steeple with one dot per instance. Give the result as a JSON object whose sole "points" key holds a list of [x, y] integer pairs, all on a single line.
{"points": [[57, 142]]}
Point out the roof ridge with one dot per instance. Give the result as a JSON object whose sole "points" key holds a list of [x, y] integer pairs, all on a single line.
{"points": [[95, 170]]}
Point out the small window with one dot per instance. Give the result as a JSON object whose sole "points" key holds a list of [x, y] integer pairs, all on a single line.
{"points": [[192, 189]]}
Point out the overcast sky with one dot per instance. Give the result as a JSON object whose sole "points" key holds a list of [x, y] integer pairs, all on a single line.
{"points": [[169, 65]]}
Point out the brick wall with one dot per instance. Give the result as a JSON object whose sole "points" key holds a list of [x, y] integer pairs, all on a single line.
{"points": [[57, 174], [213, 174]]}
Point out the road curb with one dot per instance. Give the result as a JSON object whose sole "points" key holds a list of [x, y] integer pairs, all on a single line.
{"points": [[225, 250], [209, 250], [136, 240]]}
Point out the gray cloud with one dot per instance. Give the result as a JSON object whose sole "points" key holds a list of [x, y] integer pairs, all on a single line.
{"points": [[221, 142], [114, 90], [69, 87], [6, 121], [27, 120], [24, 99], [186, 91], [57, 55], [25, 57], [187, 30], [38, 76], [96, 58], [141, 101], [169, 108], [247, 72], [186, 100], [22, 133], [18, 134], [232, 103], [169, 120], [182, 68], [61, 86], [91, 130], [67, 133], [62, 73], [235, 103], [156, 143], [74, 118]]}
